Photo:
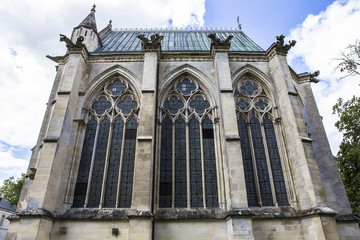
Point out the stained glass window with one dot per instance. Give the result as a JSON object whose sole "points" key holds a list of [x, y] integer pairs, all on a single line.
{"points": [[210, 164], [259, 147], [99, 163], [84, 168], [262, 168], [247, 161], [180, 164], [195, 164], [127, 171], [165, 190], [188, 176], [108, 183], [114, 164], [275, 161]]}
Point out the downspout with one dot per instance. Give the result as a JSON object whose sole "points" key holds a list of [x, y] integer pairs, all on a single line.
{"points": [[154, 152]]}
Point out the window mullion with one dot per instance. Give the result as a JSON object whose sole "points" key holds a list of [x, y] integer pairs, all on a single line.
{"points": [[92, 164], [72, 169], [106, 165], [254, 164], [188, 164], [121, 165], [202, 164], [285, 160], [219, 166], [268, 163], [173, 165]]}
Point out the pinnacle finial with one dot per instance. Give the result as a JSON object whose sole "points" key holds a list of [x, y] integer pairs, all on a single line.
{"points": [[110, 23], [93, 8], [238, 21]]}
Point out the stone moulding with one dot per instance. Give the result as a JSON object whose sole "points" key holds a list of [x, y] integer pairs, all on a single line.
{"points": [[103, 214], [36, 213], [347, 218], [51, 139], [186, 214], [305, 77], [232, 138]]}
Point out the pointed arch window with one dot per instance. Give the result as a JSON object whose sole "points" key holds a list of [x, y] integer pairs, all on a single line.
{"points": [[264, 178], [106, 169], [188, 176]]}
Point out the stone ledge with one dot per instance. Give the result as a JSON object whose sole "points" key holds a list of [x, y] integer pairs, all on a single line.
{"points": [[49, 139], [306, 139], [186, 214], [189, 214], [36, 213], [292, 93], [317, 211], [347, 218], [240, 213], [232, 138], [226, 90], [272, 212], [64, 92], [148, 90], [144, 138], [104, 214]]}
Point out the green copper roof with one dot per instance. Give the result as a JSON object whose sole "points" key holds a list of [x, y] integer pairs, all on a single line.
{"points": [[175, 40]]}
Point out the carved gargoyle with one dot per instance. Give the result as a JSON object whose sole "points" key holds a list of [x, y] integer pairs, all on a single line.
{"points": [[69, 43], [215, 41], [65, 39], [314, 75], [153, 44], [280, 44], [31, 174]]}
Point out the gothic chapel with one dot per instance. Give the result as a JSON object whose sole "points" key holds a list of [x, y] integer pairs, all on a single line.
{"points": [[180, 134]]}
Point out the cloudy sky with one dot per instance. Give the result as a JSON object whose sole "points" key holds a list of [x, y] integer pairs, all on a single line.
{"points": [[31, 28]]}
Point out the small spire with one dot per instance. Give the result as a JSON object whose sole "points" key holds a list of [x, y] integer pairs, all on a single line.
{"points": [[110, 23], [90, 21], [238, 21]]}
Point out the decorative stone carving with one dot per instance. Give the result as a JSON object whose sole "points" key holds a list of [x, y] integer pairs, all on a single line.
{"points": [[62, 230], [215, 41], [217, 45], [313, 76], [69, 43], [280, 47], [154, 44], [31, 174]]}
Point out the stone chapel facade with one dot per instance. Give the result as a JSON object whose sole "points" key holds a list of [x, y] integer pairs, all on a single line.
{"points": [[180, 134]]}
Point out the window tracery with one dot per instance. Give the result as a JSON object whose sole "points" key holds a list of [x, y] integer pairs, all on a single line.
{"points": [[188, 176], [264, 178], [106, 168]]}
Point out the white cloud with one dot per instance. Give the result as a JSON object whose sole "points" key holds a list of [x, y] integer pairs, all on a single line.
{"points": [[30, 30], [320, 40], [10, 165]]}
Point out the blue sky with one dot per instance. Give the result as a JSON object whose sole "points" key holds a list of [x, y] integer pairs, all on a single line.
{"points": [[30, 31], [262, 19]]}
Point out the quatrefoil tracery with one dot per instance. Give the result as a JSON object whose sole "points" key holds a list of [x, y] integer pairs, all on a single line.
{"points": [[250, 96], [117, 99], [186, 100]]}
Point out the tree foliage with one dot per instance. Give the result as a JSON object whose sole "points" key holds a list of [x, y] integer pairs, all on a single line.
{"points": [[350, 60], [348, 157], [11, 189]]}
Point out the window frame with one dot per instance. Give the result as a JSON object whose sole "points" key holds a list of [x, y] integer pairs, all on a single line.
{"points": [[271, 112], [210, 113], [113, 114]]}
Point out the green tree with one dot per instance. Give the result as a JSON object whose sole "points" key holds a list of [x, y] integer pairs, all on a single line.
{"points": [[11, 188], [350, 60], [348, 157]]}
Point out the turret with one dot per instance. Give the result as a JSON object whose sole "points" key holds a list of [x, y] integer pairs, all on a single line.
{"points": [[88, 29]]}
